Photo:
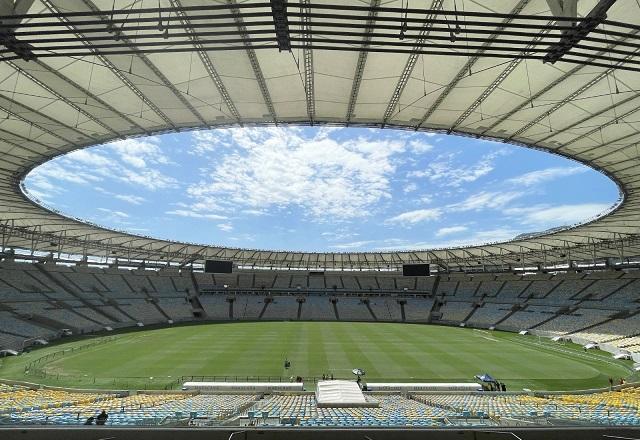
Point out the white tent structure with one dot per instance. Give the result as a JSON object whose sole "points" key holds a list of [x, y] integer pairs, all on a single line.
{"points": [[545, 74], [341, 394]]}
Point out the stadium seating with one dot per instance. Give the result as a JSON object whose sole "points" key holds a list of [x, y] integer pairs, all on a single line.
{"points": [[489, 314], [248, 307], [386, 309], [525, 319], [317, 308], [567, 323], [418, 309], [39, 300], [216, 306], [455, 311], [353, 309], [393, 410], [282, 307], [21, 405]]}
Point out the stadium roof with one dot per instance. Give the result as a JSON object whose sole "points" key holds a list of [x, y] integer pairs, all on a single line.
{"points": [[561, 76]]}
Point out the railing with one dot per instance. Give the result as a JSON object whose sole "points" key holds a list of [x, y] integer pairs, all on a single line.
{"points": [[33, 365]]}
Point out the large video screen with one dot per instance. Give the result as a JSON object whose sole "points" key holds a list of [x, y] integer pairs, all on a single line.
{"points": [[415, 270], [215, 266]]}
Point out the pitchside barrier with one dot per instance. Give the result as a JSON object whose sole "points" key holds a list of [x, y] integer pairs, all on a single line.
{"points": [[243, 386], [405, 387]]}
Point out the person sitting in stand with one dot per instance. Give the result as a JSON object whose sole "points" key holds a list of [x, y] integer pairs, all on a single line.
{"points": [[89, 421], [102, 418]]}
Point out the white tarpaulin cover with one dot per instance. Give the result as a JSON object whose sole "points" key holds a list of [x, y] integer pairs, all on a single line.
{"points": [[340, 393]]}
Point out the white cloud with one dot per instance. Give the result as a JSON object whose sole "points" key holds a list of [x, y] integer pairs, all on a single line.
{"points": [[426, 199], [274, 168], [352, 245], [446, 173], [130, 198], [139, 152], [475, 238], [114, 212], [547, 174], [150, 179], [450, 230], [486, 200], [420, 147], [194, 214], [205, 142], [57, 171], [419, 215], [338, 235], [133, 161], [90, 158], [410, 187], [107, 216], [544, 215], [256, 212], [226, 227]]}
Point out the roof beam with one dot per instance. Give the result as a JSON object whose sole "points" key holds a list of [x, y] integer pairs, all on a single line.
{"points": [[599, 129], [567, 99], [142, 57], [307, 54], [543, 91], [492, 87], [62, 98], [362, 60], [253, 59], [15, 105], [26, 139], [466, 69], [38, 126], [112, 67], [89, 94], [609, 153], [412, 60], [591, 116], [207, 62]]}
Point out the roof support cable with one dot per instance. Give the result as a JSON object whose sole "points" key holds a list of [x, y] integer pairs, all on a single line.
{"points": [[612, 71], [526, 66]]}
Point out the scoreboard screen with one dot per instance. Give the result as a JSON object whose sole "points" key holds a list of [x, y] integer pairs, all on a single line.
{"points": [[215, 266], [415, 270]]}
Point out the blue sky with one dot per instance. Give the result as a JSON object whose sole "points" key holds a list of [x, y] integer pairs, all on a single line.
{"points": [[321, 189]]}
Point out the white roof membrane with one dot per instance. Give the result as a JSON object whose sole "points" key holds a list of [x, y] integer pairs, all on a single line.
{"points": [[93, 71]]}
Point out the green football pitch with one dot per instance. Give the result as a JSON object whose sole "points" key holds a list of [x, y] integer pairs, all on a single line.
{"points": [[163, 358]]}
